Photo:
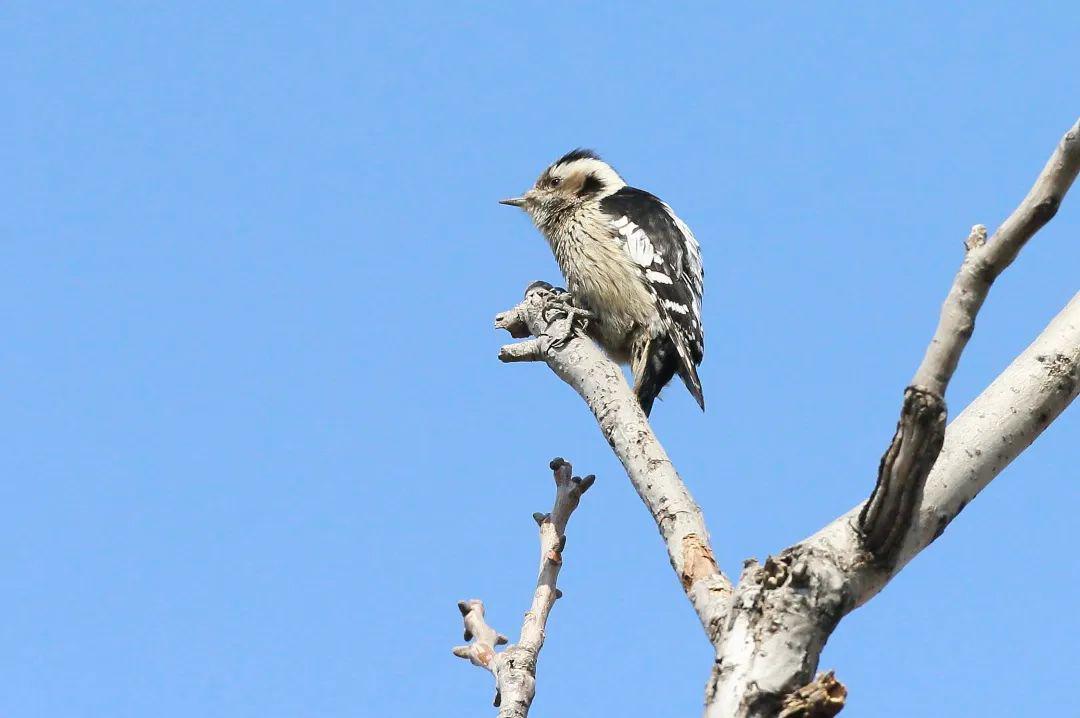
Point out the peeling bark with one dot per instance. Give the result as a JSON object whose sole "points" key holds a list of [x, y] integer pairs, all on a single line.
{"points": [[821, 699], [698, 561], [782, 615], [887, 515]]}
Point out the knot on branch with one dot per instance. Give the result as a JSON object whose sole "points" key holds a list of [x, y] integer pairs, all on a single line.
{"points": [[792, 568], [1061, 371], [888, 514], [774, 573], [977, 238], [547, 313], [823, 698]]}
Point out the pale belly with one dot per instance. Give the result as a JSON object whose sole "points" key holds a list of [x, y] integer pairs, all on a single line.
{"points": [[607, 283]]}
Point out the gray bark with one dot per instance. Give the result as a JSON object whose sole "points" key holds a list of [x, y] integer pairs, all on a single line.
{"points": [[580, 363], [887, 515], [514, 669], [769, 628], [928, 474], [786, 610]]}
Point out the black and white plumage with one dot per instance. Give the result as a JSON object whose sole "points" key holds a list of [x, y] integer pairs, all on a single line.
{"points": [[630, 261]]}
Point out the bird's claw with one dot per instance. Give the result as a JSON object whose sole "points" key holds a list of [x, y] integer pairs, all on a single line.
{"points": [[559, 307], [576, 318]]}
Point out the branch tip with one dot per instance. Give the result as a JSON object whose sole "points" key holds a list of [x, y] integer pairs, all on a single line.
{"points": [[564, 473], [526, 351]]}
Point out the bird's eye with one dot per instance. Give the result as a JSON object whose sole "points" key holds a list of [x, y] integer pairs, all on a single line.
{"points": [[555, 181]]}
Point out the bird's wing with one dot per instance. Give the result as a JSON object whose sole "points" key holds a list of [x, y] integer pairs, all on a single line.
{"points": [[669, 257]]}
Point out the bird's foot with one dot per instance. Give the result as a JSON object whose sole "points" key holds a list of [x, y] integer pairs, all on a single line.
{"points": [[564, 316]]}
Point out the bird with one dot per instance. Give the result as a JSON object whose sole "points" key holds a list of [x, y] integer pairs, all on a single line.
{"points": [[631, 263]]}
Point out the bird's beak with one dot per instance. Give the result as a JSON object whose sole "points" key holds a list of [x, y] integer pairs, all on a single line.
{"points": [[513, 201]]}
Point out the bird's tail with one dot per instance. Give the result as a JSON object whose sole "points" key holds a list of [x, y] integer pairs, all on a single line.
{"points": [[663, 361], [688, 372]]}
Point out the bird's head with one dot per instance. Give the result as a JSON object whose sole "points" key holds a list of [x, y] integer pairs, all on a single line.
{"points": [[578, 176]]}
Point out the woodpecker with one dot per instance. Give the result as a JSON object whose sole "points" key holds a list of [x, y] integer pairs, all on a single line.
{"points": [[628, 260]]}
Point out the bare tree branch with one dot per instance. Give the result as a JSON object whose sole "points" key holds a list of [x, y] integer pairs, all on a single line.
{"points": [[986, 260], [786, 611], [992, 431], [770, 628], [515, 668], [580, 363], [887, 516]]}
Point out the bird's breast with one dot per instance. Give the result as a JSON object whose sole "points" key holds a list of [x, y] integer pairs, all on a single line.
{"points": [[603, 278]]}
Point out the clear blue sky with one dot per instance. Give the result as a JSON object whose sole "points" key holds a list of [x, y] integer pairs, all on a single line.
{"points": [[255, 440]]}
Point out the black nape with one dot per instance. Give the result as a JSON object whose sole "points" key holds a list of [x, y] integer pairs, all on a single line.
{"points": [[591, 186]]}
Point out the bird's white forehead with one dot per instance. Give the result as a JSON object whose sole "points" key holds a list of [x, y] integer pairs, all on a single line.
{"points": [[587, 165]]}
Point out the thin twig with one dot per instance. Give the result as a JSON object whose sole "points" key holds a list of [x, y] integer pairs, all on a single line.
{"points": [[515, 668]]}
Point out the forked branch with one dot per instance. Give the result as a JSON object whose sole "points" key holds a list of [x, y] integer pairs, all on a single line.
{"points": [[515, 668], [887, 516], [926, 477]]}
